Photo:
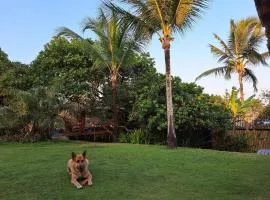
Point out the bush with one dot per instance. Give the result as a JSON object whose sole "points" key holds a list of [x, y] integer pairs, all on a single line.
{"points": [[236, 143], [197, 115], [36, 109], [124, 137], [137, 136]]}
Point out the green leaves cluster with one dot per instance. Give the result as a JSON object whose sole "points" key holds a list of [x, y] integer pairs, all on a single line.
{"points": [[197, 115]]}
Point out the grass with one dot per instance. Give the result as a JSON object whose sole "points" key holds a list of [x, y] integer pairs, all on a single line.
{"points": [[121, 171]]}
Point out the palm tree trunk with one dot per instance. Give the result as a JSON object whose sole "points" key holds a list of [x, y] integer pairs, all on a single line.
{"points": [[114, 106], [171, 137], [241, 89]]}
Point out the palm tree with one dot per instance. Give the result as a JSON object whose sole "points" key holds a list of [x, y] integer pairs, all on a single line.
{"points": [[241, 51], [115, 48], [163, 18]]}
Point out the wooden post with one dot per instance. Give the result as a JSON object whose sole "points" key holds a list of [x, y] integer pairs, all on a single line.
{"points": [[263, 9]]}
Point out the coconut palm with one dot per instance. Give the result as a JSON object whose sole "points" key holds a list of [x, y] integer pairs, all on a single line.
{"points": [[115, 47], [240, 51], [163, 18]]}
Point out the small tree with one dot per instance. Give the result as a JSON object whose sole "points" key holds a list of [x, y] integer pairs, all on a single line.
{"points": [[238, 108]]}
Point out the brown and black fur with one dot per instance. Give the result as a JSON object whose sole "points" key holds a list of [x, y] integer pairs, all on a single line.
{"points": [[77, 168]]}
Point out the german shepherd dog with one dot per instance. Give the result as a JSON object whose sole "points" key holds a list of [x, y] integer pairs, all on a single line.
{"points": [[77, 168]]}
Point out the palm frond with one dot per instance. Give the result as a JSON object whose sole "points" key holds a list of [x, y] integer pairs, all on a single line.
{"points": [[137, 24], [66, 32], [231, 40], [224, 45], [242, 31], [216, 71], [255, 57], [250, 76], [222, 55], [151, 15], [228, 72], [116, 39], [183, 13]]}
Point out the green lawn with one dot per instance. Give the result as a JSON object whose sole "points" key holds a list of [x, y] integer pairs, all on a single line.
{"points": [[121, 171]]}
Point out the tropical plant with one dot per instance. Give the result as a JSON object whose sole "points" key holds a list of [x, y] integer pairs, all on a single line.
{"points": [[240, 52], [29, 114], [198, 116], [5, 65], [114, 48], [136, 136], [238, 108], [162, 18], [67, 67], [18, 77]]}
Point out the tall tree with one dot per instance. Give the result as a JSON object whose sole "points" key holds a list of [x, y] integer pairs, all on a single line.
{"points": [[163, 18], [5, 66], [115, 47], [240, 51]]}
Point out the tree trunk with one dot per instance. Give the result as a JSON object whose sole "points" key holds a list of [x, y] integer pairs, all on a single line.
{"points": [[114, 105], [171, 137], [241, 89]]}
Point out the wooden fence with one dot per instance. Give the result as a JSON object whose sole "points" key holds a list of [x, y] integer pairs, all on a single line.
{"points": [[259, 124], [256, 138]]}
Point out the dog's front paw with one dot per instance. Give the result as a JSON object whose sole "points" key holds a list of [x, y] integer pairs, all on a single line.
{"points": [[90, 183], [78, 186]]}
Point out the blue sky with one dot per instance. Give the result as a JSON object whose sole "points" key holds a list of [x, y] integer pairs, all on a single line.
{"points": [[26, 25]]}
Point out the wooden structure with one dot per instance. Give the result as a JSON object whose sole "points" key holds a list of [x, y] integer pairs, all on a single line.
{"points": [[258, 124], [256, 139], [257, 133], [263, 9], [86, 128]]}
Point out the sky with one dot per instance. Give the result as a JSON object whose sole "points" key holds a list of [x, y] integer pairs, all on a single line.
{"points": [[26, 25]]}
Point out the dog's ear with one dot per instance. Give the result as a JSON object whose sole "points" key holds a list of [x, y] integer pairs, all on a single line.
{"points": [[73, 155], [84, 154]]}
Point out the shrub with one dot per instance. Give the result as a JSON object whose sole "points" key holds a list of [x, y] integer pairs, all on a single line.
{"points": [[236, 143], [137, 136], [36, 109], [197, 115], [124, 137]]}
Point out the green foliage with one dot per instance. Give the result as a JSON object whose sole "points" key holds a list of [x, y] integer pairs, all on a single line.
{"points": [[131, 79], [237, 143], [136, 136], [265, 112], [5, 63], [17, 77], [67, 67], [38, 107], [240, 108], [153, 17], [197, 115]]}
